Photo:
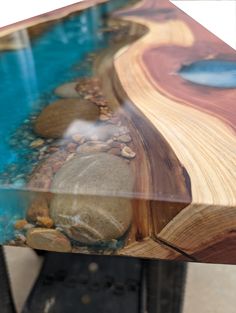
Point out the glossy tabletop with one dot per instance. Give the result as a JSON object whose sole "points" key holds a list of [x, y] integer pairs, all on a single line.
{"points": [[117, 127]]}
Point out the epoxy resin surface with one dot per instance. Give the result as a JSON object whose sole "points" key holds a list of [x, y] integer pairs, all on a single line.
{"points": [[117, 128]]}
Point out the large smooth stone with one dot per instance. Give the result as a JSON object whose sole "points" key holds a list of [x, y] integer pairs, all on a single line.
{"points": [[67, 90], [66, 117], [77, 207]]}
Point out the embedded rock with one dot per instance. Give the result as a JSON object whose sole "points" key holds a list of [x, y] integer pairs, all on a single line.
{"points": [[38, 208], [66, 117], [37, 143], [124, 138], [128, 153], [80, 206], [20, 224], [48, 239], [67, 90]]}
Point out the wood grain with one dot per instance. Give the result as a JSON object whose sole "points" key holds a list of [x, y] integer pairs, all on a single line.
{"points": [[149, 248], [196, 122], [183, 135]]}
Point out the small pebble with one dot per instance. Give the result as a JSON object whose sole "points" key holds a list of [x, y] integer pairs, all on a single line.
{"points": [[37, 143], [28, 226], [104, 110], [20, 224], [124, 138], [43, 149], [44, 221], [128, 153], [104, 117], [88, 97]]}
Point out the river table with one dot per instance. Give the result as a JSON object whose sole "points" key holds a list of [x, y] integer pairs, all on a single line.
{"points": [[118, 135]]}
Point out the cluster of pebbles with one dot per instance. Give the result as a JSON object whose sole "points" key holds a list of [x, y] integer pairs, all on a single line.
{"points": [[77, 152], [85, 163], [33, 147]]}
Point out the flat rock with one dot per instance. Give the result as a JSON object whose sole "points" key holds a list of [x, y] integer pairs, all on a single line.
{"points": [[66, 117], [124, 138], [67, 90], [77, 207], [48, 239]]}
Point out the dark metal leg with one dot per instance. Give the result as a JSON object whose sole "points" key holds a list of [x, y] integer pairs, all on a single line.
{"points": [[105, 284], [70, 283], [165, 286], [6, 301]]}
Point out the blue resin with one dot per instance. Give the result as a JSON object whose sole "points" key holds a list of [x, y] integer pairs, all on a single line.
{"points": [[28, 78], [212, 73], [29, 75]]}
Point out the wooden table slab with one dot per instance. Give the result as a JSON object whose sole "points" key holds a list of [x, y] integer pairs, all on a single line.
{"points": [[180, 147], [195, 127]]}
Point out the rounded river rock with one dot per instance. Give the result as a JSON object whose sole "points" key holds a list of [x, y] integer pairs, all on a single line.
{"points": [[77, 207], [65, 117]]}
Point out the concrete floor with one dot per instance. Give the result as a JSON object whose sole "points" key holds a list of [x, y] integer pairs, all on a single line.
{"points": [[210, 288], [23, 266]]}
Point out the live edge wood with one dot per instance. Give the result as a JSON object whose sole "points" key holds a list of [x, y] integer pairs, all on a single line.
{"points": [[188, 136], [184, 205]]}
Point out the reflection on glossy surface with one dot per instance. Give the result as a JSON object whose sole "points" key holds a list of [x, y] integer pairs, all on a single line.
{"points": [[90, 219], [212, 73], [30, 74], [119, 152], [41, 133]]}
